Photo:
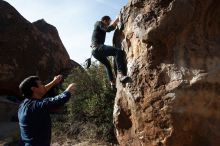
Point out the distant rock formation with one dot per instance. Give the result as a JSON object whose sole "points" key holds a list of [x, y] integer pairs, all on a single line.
{"points": [[173, 55], [28, 49]]}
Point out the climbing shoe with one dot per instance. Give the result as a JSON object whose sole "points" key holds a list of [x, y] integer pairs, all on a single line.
{"points": [[125, 79]]}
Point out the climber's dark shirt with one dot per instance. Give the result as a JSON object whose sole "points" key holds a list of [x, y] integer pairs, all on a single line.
{"points": [[99, 33], [34, 119]]}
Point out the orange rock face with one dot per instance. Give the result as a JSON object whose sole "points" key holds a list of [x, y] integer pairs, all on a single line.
{"points": [[173, 56], [28, 49]]}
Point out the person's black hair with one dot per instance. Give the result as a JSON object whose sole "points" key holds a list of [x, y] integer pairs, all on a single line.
{"points": [[26, 84], [105, 18]]}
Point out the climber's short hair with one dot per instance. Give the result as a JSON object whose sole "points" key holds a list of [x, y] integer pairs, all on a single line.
{"points": [[26, 84], [105, 18]]}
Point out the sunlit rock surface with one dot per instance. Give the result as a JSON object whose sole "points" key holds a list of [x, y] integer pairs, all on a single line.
{"points": [[173, 57], [28, 49]]}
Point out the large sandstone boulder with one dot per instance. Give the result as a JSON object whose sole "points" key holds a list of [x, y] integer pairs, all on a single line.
{"points": [[28, 49], [173, 57]]}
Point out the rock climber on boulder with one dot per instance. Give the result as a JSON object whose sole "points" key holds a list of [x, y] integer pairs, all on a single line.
{"points": [[101, 51]]}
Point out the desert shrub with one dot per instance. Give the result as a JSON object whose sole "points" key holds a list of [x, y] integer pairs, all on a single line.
{"points": [[90, 110]]}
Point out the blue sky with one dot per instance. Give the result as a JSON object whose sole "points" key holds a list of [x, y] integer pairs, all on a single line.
{"points": [[74, 20]]}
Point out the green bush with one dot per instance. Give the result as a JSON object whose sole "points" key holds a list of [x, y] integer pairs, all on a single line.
{"points": [[92, 104]]}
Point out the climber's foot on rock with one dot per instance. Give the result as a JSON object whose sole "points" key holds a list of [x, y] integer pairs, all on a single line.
{"points": [[125, 79]]}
